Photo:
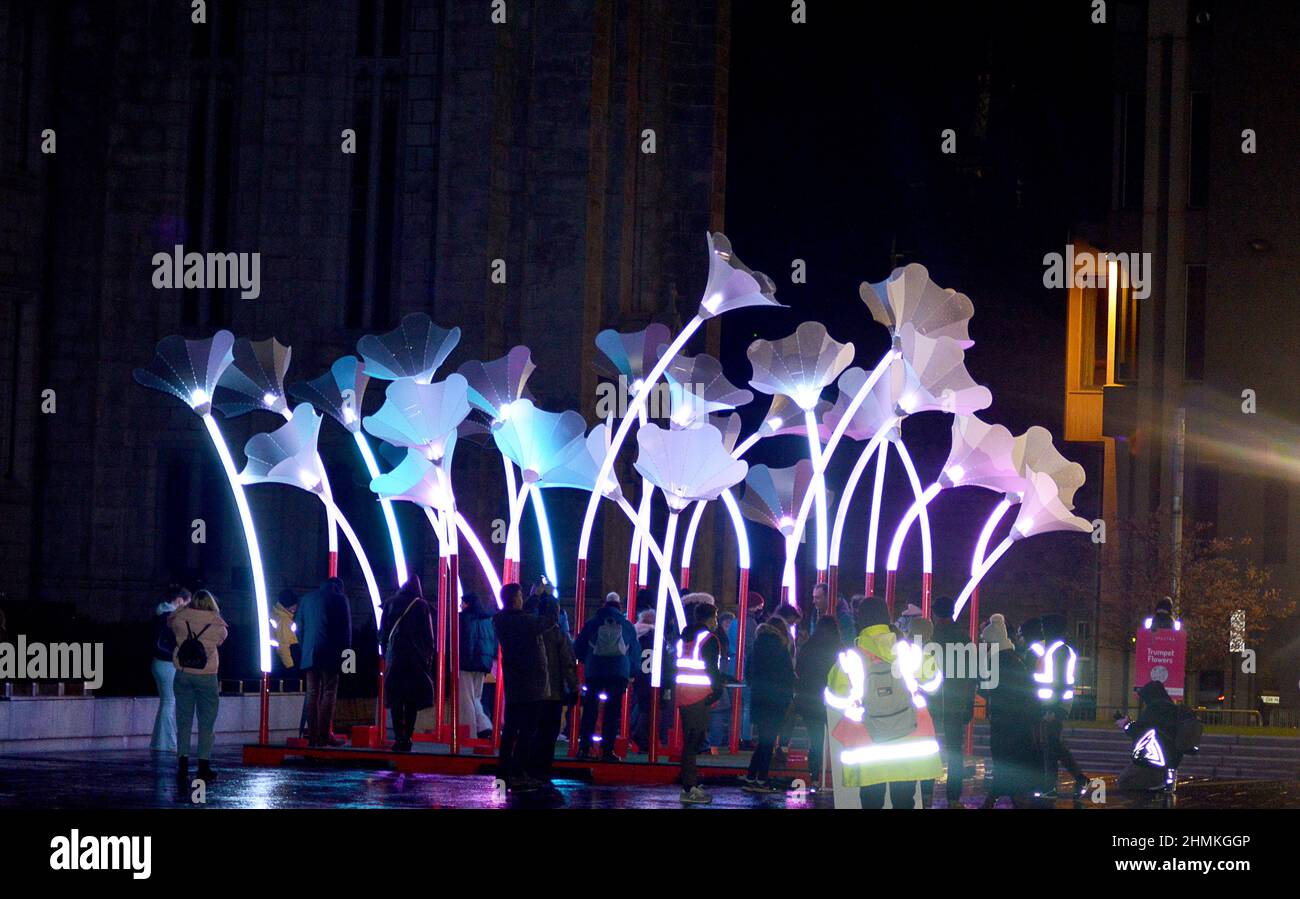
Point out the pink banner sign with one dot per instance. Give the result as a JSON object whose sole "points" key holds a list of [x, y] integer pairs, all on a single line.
{"points": [[1162, 656]]}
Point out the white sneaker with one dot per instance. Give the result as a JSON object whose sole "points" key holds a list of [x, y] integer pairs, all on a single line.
{"points": [[695, 796]]}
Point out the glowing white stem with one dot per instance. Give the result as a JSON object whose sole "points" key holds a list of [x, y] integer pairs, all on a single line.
{"points": [[331, 527], [788, 579], [625, 425], [544, 532], [744, 445], [846, 497], [818, 484], [484, 561], [665, 576], [927, 561], [658, 557], [882, 457], [647, 492], [512, 490], [516, 513], [979, 575], [390, 519], [366, 571], [986, 534], [738, 526], [250, 542], [900, 533]]}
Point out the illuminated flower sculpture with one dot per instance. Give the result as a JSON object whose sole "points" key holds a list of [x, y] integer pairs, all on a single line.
{"points": [[288, 455], [731, 285], [338, 393], [415, 349], [699, 388], [801, 366], [773, 497], [908, 296], [421, 416], [687, 466], [493, 386], [190, 370]]}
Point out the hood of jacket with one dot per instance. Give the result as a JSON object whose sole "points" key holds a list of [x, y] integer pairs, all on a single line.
{"points": [[779, 631], [878, 640]]}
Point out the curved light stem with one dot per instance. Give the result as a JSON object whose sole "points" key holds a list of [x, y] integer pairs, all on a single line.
{"points": [[658, 556], [372, 586], [900, 533], [665, 576], [625, 425], [484, 560], [516, 513], [390, 519], [999, 511], [738, 526], [979, 574], [789, 582], [544, 533], [332, 526], [842, 507], [927, 560], [250, 542], [877, 491], [819, 486]]}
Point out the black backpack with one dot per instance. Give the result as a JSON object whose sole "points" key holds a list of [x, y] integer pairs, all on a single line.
{"points": [[1187, 735], [191, 653]]}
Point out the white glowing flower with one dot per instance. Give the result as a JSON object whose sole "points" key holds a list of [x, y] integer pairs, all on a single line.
{"points": [[689, 465], [414, 349], [881, 404], [414, 480], [254, 379], [189, 369], [422, 416], [981, 456], [630, 355], [1035, 452], [908, 296], [697, 388], [580, 471], [732, 284], [494, 385], [539, 441], [1041, 510], [942, 382], [799, 366], [286, 455], [773, 496], [337, 393]]}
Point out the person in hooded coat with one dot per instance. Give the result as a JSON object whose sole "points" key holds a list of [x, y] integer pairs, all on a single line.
{"points": [[770, 672], [478, 653], [813, 665], [561, 691], [1155, 738], [406, 633], [324, 622], [1013, 713]]}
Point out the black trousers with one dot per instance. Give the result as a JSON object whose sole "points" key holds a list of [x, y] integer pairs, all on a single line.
{"points": [[548, 731], [814, 720], [1056, 753], [322, 693], [404, 720], [613, 688], [518, 737], [953, 740], [768, 723], [902, 793], [695, 724]]}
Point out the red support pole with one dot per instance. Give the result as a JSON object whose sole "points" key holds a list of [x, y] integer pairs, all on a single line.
{"points": [[686, 579], [334, 564], [925, 594], [738, 695], [629, 602], [870, 589], [974, 635], [440, 679], [833, 586], [891, 579], [498, 703], [654, 725], [821, 576], [264, 713], [579, 610], [453, 614], [379, 706]]}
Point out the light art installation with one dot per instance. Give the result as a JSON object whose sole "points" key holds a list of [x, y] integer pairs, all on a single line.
{"points": [[696, 458]]}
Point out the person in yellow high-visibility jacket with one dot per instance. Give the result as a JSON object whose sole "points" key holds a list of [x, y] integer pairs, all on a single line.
{"points": [[886, 735]]}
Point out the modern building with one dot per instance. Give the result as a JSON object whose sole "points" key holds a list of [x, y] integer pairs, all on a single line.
{"points": [[1191, 391]]}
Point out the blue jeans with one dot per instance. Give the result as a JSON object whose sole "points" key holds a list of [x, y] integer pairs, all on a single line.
{"points": [[164, 723], [196, 693]]}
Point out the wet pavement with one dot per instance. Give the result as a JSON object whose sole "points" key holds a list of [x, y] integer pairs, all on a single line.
{"points": [[139, 779]]}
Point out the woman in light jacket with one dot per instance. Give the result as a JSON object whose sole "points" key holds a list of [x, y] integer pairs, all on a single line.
{"points": [[164, 669], [196, 684]]}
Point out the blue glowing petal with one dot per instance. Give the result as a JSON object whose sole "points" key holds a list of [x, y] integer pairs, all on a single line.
{"points": [[286, 455], [630, 355], [773, 495], [255, 379], [499, 382], [189, 369], [539, 441], [337, 393], [414, 349], [423, 416]]}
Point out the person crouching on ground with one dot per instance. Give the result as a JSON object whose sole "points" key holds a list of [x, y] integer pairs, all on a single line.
{"points": [[199, 629], [698, 685]]}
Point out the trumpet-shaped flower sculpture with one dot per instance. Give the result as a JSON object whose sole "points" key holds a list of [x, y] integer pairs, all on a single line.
{"points": [[189, 369], [880, 408], [908, 296], [698, 388], [773, 497], [539, 441], [254, 379], [419, 415], [799, 366], [982, 455], [732, 284], [495, 385], [414, 349], [579, 472], [687, 465], [288, 455], [414, 480], [630, 355], [337, 393], [942, 382], [1035, 452]]}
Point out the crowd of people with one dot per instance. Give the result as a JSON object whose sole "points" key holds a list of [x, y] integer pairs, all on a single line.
{"points": [[900, 708]]}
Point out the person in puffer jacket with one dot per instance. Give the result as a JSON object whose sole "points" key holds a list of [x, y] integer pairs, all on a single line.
{"points": [[898, 763], [478, 654], [770, 672], [610, 654], [196, 688]]}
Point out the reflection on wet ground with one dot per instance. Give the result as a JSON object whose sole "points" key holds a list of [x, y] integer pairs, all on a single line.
{"points": [[140, 779]]}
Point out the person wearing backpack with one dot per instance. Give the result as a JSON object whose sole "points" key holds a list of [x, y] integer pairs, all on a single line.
{"points": [[886, 736], [478, 653], [406, 633], [164, 669], [611, 655], [1161, 735], [199, 629]]}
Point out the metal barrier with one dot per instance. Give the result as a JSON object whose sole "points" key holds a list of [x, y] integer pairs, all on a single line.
{"points": [[277, 685], [1238, 717]]}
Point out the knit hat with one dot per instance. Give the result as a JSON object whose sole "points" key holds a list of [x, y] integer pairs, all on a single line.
{"points": [[996, 633], [706, 598], [612, 596]]}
